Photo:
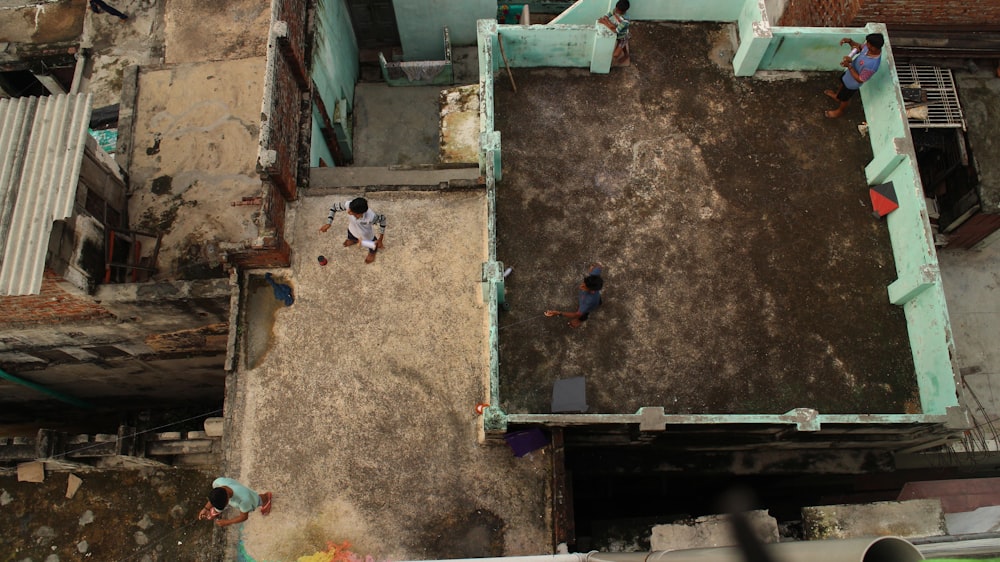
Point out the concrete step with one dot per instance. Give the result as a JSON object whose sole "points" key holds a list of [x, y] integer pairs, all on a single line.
{"points": [[387, 178]]}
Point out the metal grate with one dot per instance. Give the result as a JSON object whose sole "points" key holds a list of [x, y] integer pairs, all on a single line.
{"points": [[939, 95]]}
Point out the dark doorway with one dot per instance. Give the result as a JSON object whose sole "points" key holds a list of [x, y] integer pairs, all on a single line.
{"points": [[21, 83], [374, 23]]}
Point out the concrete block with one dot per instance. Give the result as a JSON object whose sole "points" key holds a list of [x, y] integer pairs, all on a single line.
{"points": [[214, 426], [73, 484], [196, 435], [906, 519], [31, 472], [569, 395], [168, 436], [711, 531], [982, 520]]}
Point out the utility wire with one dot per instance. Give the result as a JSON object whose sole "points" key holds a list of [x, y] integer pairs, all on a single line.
{"points": [[162, 538], [136, 434], [522, 321]]}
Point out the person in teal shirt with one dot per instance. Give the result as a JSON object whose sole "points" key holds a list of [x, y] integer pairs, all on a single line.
{"points": [[228, 492]]}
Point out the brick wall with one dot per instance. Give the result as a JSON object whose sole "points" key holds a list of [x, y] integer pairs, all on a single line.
{"points": [[53, 305], [857, 13], [819, 13], [287, 115]]}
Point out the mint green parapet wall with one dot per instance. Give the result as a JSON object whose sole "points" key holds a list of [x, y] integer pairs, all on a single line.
{"points": [[918, 280], [687, 10], [422, 22], [809, 48], [918, 285], [334, 67], [586, 12], [548, 45]]}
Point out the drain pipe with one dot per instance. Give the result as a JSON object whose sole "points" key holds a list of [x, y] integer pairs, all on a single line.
{"points": [[870, 549], [46, 390]]}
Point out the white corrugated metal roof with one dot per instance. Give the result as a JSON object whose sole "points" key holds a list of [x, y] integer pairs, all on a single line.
{"points": [[42, 141]]}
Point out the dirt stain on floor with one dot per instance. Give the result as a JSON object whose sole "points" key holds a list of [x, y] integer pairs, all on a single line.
{"points": [[745, 272]]}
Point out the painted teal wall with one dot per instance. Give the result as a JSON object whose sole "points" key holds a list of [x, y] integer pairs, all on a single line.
{"points": [[317, 148], [584, 12], [808, 48], [547, 45], [918, 285], [421, 25], [687, 10], [334, 66]]}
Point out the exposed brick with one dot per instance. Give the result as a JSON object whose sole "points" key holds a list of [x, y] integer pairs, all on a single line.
{"points": [[857, 13], [52, 305]]}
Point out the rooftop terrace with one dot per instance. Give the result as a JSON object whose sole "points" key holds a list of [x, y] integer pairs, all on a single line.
{"points": [[745, 271]]}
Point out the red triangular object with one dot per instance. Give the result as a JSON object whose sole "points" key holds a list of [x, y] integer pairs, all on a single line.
{"points": [[883, 199]]}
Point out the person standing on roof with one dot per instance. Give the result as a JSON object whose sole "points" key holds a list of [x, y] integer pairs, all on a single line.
{"points": [[616, 21], [226, 492], [360, 225], [589, 298], [860, 65]]}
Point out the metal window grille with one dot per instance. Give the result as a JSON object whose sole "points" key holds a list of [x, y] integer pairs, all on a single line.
{"points": [[940, 97]]}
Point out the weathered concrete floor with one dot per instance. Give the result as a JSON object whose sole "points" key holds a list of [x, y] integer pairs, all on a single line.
{"points": [[745, 272], [360, 416]]}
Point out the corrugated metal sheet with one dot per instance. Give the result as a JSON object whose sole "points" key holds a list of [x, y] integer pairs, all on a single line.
{"points": [[42, 141]]}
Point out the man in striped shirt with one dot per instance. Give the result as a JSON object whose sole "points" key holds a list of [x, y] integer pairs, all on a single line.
{"points": [[360, 225]]}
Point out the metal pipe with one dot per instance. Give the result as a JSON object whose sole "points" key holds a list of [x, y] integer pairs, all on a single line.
{"points": [[45, 390]]}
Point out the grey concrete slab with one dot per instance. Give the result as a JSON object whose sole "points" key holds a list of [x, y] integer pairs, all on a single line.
{"points": [[711, 531], [360, 177], [396, 125], [906, 519], [971, 280]]}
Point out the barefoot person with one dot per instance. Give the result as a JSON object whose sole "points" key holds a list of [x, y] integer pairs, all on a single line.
{"points": [[360, 225], [860, 65], [589, 298], [616, 21], [226, 492]]}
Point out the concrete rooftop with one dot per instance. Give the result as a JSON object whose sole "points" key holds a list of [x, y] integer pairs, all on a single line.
{"points": [[745, 272], [356, 404]]}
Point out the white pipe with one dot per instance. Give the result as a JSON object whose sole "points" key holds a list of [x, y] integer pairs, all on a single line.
{"points": [[81, 62], [534, 558]]}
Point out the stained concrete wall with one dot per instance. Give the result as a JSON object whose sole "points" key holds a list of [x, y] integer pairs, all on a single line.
{"points": [[712, 531], [907, 519], [155, 341]]}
